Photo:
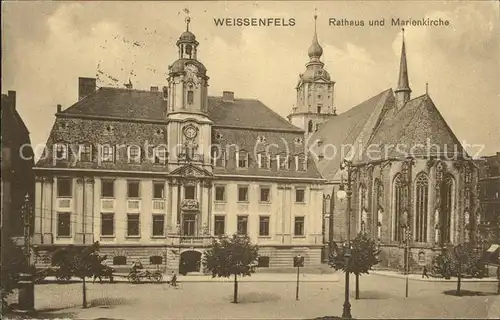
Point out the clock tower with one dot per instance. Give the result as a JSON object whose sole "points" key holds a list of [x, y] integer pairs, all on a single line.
{"points": [[315, 103], [186, 104]]}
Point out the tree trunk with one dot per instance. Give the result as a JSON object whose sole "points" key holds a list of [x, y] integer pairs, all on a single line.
{"points": [[357, 286], [84, 288], [235, 297]]}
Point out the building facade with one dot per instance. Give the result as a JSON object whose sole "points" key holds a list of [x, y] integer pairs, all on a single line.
{"points": [[489, 198], [17, 168], [412, 181], [155, 175]]}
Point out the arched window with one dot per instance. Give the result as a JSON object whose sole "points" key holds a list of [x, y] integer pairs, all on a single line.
{"points": [[446, 208], [310, 126], [362, 210], [398, 206], [421, 207], [377, 212]]}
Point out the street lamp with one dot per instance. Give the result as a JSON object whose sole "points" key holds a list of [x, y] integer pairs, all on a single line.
{"points": [[298, 261], [342, 194], [26, 283], [459, 255]]}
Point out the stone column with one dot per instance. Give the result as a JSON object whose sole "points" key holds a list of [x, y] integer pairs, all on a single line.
{"points": [[38, 204], [88, 220], [78, 206]]}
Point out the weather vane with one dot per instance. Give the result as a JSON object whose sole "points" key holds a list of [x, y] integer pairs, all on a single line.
{"points": [[188, 18]]}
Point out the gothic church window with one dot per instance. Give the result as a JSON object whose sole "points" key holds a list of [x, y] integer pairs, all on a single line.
{"points": [[398, 207], [446, 209], [421, 209]]}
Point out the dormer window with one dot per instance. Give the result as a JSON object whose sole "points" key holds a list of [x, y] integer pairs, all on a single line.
{"points": [[134, 154], [160, 155], [218, 157], [85, 152], [61, 151], [282, 161], [108, 153], [300, 162], [263, 160], [190, 97], [242, 159]]}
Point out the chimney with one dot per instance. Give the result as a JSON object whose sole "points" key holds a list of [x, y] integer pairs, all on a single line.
{"points": [[12, 97], [227, 96], [59, 108], [85, 87], [154, 89]]}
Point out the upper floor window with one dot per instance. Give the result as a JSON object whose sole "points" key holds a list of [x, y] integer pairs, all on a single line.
{"points": [[108, 188], [299, 226], [86, 152], [242, 225], [242, 159], [108, 153], [265, 194], [158, 190], [319, 108], [310, 126], [64, 187], [133, 189], [160, 155], [190, 97], [242, 193], [189, 192], [219, 225], [220, 193], [300, 195], [134, 154]]}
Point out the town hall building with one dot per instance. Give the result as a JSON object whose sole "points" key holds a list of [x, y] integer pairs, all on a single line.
{"points": [[155, 175]]}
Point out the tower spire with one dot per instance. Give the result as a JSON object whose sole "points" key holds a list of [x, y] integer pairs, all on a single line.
{"points": [[315, 50], [403, 89]]}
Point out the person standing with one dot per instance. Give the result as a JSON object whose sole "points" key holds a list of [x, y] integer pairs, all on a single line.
{"points": [[173, 280], [424, 273]]}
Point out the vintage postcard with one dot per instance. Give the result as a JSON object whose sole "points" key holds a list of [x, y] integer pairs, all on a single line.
{"points": [[250, 160]]}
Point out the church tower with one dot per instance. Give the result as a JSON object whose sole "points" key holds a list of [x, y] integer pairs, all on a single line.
{"points": [[315, 104], [186, 104], [403, 90]]}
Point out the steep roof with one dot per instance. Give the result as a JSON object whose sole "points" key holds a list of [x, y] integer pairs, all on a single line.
{"points": [[344, 130], [418, 129], [149, 105]]}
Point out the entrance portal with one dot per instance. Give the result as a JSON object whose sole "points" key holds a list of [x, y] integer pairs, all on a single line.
{"points": [[190, 262]]}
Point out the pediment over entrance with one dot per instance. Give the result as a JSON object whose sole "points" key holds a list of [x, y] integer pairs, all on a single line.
{"points": [[190, 170]]}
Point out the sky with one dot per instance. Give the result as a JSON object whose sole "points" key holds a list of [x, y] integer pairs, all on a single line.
{"points": [[46, 46]]}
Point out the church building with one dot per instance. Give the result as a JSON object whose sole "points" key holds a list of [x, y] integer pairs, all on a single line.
{"points": [[411, 180], [155, 175]]}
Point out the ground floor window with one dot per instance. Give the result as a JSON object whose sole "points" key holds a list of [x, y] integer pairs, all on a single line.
{"points": [[158, 225], [220, 225], [119, 260], [107, 224], [263, 262]]}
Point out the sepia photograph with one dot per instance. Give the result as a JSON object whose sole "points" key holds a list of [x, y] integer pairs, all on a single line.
{"points": [[311, 160]]}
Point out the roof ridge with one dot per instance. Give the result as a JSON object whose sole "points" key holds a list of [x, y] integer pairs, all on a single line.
{"points": [[127, 89]]}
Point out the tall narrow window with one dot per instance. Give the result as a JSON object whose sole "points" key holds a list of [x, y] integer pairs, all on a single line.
{"points": [[422, 200], [242, 225], [310, 126], [158, 190], [319, 108], [220, 225], [299, 226], [300, 162], [133, 189], [107, 224], [160, 155], [190, 97], [158, 225], [107, 188], [133, 226], [134, 154], [264, 226], [398, 204], [446, 209], [63, 224], [61, 151]]}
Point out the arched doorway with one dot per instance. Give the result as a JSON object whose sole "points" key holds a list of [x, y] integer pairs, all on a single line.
{"points": [[190, 262]]}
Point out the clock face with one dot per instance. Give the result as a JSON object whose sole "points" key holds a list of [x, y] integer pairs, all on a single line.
{"points": [[191, 68], [190, 132]]}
